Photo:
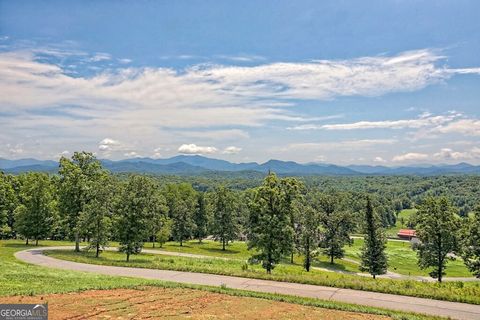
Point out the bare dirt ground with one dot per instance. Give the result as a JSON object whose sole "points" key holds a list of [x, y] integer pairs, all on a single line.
{"points": [[161, 303]]}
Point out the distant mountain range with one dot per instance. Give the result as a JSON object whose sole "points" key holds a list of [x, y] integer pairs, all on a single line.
{"points": [[198, 165]]}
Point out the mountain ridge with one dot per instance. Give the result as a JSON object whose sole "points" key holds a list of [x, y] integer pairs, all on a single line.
{"points": [[196, 164]]}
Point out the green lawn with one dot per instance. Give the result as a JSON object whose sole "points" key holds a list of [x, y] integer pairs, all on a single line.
{"points": [[452, 291], [402, 259], [238, 250], [19, 278], [402, 220]]}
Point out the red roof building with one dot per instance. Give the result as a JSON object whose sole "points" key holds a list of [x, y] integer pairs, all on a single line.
{"points": [[406, 234]]}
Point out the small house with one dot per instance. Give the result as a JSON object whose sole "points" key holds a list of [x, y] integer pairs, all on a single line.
{"points": [[406, 234]]}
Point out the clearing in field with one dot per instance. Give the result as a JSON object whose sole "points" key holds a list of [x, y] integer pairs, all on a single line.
{"points": [[173, 303]]}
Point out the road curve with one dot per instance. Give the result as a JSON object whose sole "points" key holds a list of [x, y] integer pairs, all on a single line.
{"points": [[454, 310]]}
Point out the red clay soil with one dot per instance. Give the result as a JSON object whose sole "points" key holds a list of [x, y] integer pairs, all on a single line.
{"points": [[161, 303]]}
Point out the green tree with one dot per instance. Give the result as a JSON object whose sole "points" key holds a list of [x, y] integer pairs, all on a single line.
{"points": [[336, 225], [181, 200], [77, 177], [200, 218], [308, 235], [438, 228], [35, 216], [134, 206], [159, 211], [270, 229], [8, 203], [471, 243], [97, 213], [225, 216], [165, 231], [374, 259], [292, 189]]}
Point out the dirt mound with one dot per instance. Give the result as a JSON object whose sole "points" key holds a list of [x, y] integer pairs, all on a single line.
{"points": [[155, 303]]}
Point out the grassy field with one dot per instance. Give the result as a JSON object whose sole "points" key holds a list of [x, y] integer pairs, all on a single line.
{"points": [[402, 259], [452, 291], [402, 220], [22, 279]]}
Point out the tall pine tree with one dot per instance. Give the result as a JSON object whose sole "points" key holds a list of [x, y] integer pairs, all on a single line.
{"points": [[374, 259]]}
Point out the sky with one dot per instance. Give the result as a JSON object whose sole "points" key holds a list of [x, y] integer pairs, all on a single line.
{"points": [[345, 82]]}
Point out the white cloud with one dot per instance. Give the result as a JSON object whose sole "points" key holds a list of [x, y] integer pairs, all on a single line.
{"points": [[132, 154], [125, 60], [423, 120], [108, 144], [447, 154], [345, 144], [468, 127], [231, 150], [154, 102], [194, 149], [379, 160], [409, 157], [100, 56]]}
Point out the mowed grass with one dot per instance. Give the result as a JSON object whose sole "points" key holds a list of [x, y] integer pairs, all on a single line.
{"points": [[238, 250], [451, 291], [19, 278], [403, 260]]}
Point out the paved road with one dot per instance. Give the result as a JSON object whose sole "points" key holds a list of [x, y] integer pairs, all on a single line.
{"points": [[433, 307]]}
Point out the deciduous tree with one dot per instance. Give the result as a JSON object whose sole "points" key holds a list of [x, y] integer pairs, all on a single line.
{"points": [[438, 230], [270, 229], [200, 218], [225, 216], [134, 205], [471, 243], [35, 216], [336, 225], [77, 176]]}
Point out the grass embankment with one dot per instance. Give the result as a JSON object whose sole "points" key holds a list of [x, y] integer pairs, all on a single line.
{"points": [[19, 278], [451, 291]]}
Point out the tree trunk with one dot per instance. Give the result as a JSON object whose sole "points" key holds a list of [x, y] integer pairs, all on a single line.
{"points": [[128, 256], [307, 262], [77, 242], [374, 276], [26, 243], [36, 241], [181, 243], [223, 244], [291, 258], [153, 242], [98, 250], [331, 259]]}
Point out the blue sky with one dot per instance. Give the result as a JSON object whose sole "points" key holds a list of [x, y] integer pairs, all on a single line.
{"points": [[377, 82]]}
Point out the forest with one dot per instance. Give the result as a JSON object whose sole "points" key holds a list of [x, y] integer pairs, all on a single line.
{"points": [[277, 216]]}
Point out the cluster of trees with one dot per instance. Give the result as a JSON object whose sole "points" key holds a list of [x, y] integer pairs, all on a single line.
{"points": [[278, 218]]}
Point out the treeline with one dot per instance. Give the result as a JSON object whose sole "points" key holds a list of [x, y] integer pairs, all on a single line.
{"points": [[278, 218]]}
